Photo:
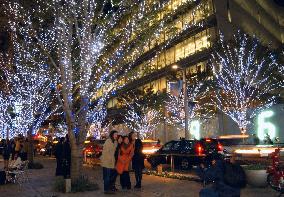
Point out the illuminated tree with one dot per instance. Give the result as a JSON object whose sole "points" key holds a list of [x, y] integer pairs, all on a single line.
{"points": [[243, 71], [6, 117], [27, 104], [99, 125], [198, 110], [89, 46], [142, 119]]}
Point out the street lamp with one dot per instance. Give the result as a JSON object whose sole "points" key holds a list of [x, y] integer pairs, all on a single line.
{"points": [[186, 112], [175, 67]]}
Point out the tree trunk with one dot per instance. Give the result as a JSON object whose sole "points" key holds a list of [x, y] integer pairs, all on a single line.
{"points": [[31, 148], [76, 162]]}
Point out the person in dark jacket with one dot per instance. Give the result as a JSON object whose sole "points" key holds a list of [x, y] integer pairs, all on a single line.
{"points": [[59, 157], [138, 162], [213, 173], [13, 145], [6, 153], [227, 179]]}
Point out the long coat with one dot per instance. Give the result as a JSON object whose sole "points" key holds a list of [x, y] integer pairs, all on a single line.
{"points": [[124, 158], [107, 158], [138, 157], [59, 159]]}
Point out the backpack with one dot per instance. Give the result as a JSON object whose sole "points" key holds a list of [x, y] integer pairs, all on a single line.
{"points": [[234, 175]]}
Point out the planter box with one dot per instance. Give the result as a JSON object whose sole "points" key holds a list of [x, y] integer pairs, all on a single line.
{"points": [[256, 178]]}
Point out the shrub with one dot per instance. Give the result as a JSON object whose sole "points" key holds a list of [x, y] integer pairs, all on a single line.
{"points": [[59, 185], [83, 184], [35, 165]]}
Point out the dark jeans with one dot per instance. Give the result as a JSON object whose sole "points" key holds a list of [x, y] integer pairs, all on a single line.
{"points": [[109, 178], [114, 180], [208, 192], [125, 180], [24, 156], [66, 168], [138, 176], [13, 155], [59, 170]]}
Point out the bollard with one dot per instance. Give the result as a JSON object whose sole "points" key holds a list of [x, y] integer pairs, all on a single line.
{"points": [[67, 185], [172, 164]]}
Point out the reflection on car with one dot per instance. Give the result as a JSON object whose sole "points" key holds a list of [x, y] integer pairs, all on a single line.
{"points": [[150, 146]]}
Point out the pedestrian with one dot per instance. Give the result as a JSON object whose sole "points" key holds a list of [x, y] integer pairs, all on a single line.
{"points": [[6, 153], [138, 162], [25, 149], [108, 162], [48, 148], [212, 170], [13, 145], [125, 155], [66, 157], [226, 178], [59, 157], [17, 147], [132, 137], [119, 142]]}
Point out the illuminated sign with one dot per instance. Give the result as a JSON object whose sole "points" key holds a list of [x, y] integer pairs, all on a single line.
{"points": [[195, 129], [264, 126]]}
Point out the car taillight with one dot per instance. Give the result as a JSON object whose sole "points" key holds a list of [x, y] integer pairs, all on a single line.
{"points": [[220, 147], [199, 149]]}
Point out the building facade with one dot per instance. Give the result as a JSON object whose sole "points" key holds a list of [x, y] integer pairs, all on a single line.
{"points": [[197, 26]]}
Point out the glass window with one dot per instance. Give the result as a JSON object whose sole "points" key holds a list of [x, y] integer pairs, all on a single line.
{"points": [[161, 61], [175, 4], [176, 146], [167, 146], [201, 40], [199, 14], [179, 51], [178, 25], [155, 63], [187, 19], [189, 47], [170, 56], [163, 84], [187, 146], [153, 43]]}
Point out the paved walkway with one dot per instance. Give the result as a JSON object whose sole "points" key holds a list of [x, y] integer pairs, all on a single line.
{"points": [[41, 185]]}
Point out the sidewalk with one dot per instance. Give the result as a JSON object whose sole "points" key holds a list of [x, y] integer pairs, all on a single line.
{"points": [[41, 185]]}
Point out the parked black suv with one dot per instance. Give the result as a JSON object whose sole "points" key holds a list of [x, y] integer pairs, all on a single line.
{"points": [[185, 153]]}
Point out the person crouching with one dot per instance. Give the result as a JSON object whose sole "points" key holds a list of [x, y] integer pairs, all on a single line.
{"points": [[124, 157]]}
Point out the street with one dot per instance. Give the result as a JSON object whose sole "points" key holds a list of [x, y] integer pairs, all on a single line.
{"points": [[42, 182]]}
